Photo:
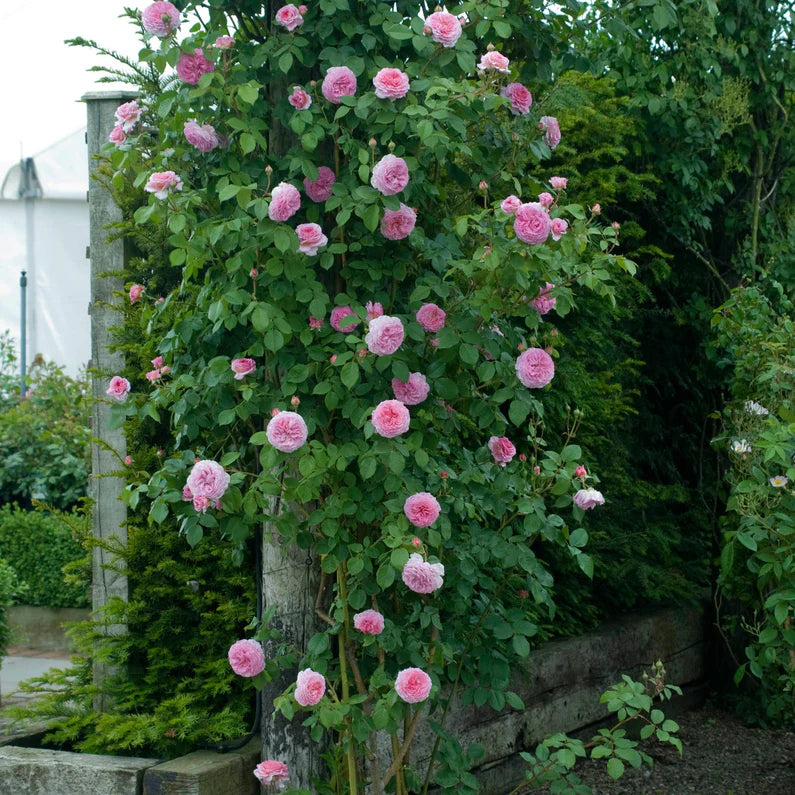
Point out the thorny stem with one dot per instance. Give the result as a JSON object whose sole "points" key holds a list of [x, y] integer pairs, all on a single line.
{"points": [[408, 736], [353, 784]]}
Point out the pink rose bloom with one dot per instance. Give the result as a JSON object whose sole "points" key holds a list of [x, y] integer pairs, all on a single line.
{"points": [[521, 99], [153, 375], [310, 238], [559, 227], [202, 136], [398, 224], [242, 367], [158, 362], [315, 323], [385, 335], [246, 658], [532, 224], [413, 391], [339, 82], [588, 498], [272, 773], [286, 431], [502, 449], [546, 199], [128, 115], [208, 479], [413, 685], [320, 190], [117, 135], [495, 60], [421, 576], [224, 42], [551, 128], [338, 314], [390, 175], [118, 388], [431, 317], [559, 183], [309, 687], [535, 368], [371, 622], [160, 19], [285, 202], [422, 509], [391, 84], [299, 99], [390, 418], [290, 17], [511, 204], [161, 183], [190, 68], [580, 472], [596, 209], [444, 27], [544, 302], [374, 310], [135, 292]]}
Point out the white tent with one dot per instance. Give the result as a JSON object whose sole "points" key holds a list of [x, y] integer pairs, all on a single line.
{"points": [[44, 231]]}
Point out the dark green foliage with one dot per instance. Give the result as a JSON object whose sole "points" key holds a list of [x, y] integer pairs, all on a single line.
{"points": [[10, 588], [39, 545]]}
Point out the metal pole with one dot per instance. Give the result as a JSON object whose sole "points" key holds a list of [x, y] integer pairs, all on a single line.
{"points": [[23, 327]]}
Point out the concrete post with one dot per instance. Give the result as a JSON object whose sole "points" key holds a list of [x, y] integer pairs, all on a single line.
{"points": [[109, 513]]}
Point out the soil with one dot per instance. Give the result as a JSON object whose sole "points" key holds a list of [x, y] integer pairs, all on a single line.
{"points": [[722, 756]]}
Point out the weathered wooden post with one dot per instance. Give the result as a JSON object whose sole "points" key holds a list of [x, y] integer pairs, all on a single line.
{"points": [[110, 447]]}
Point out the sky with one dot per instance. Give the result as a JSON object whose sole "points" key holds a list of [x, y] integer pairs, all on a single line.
{"points": [[41, 78]]}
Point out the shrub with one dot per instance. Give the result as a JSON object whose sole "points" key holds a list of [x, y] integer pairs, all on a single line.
{"points": [[10, 587]]}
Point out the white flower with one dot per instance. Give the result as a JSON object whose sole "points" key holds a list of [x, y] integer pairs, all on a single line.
{"points": [[752, 407], [740, 446], [779, 481]]}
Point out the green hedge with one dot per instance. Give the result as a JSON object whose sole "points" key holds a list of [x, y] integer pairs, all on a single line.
{"points": [[38, 545]]}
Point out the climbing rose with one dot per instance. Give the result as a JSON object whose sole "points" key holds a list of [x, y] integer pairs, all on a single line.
{"points": [[224, 42], [309, 687], [546, 199], [521, 99], [421, 576], [588, 498], [422, 509], [299, 99], [315, 323], [511, 204], [246, 657], [413, 685], [740, 446], [559, 228], [535, 368], [243, 367], [390, 175], [290, 17], [374, 310], [338, 314], [310, 238], [118, 389], [559, 183], [161, 183], [390, 418], [320, 189], [397, 224], [413, 391], [160, 19], [752, 407], [581, 472], [532, 223], [135, 292], [286, 431], [544, 302], [153, 375], [339, 82], [158, 362], [431, 317], [444, 28], [128, 115], [551, 128], [190, 68], [285, 202], [371, 622], [271, 772], [117, 135], [208, 479], [202, 136], [779, 481], [495, 60], [385, 335], [502, 449], [391, 84]]}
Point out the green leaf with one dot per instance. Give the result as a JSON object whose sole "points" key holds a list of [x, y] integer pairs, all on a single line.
{"points": [[615, 768], [248, 92], [372, 215], [367, 467], [521, 645], [385, 576], [228, 192], [247, 143], [349, 375], [286, 62], [399, 558]]}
